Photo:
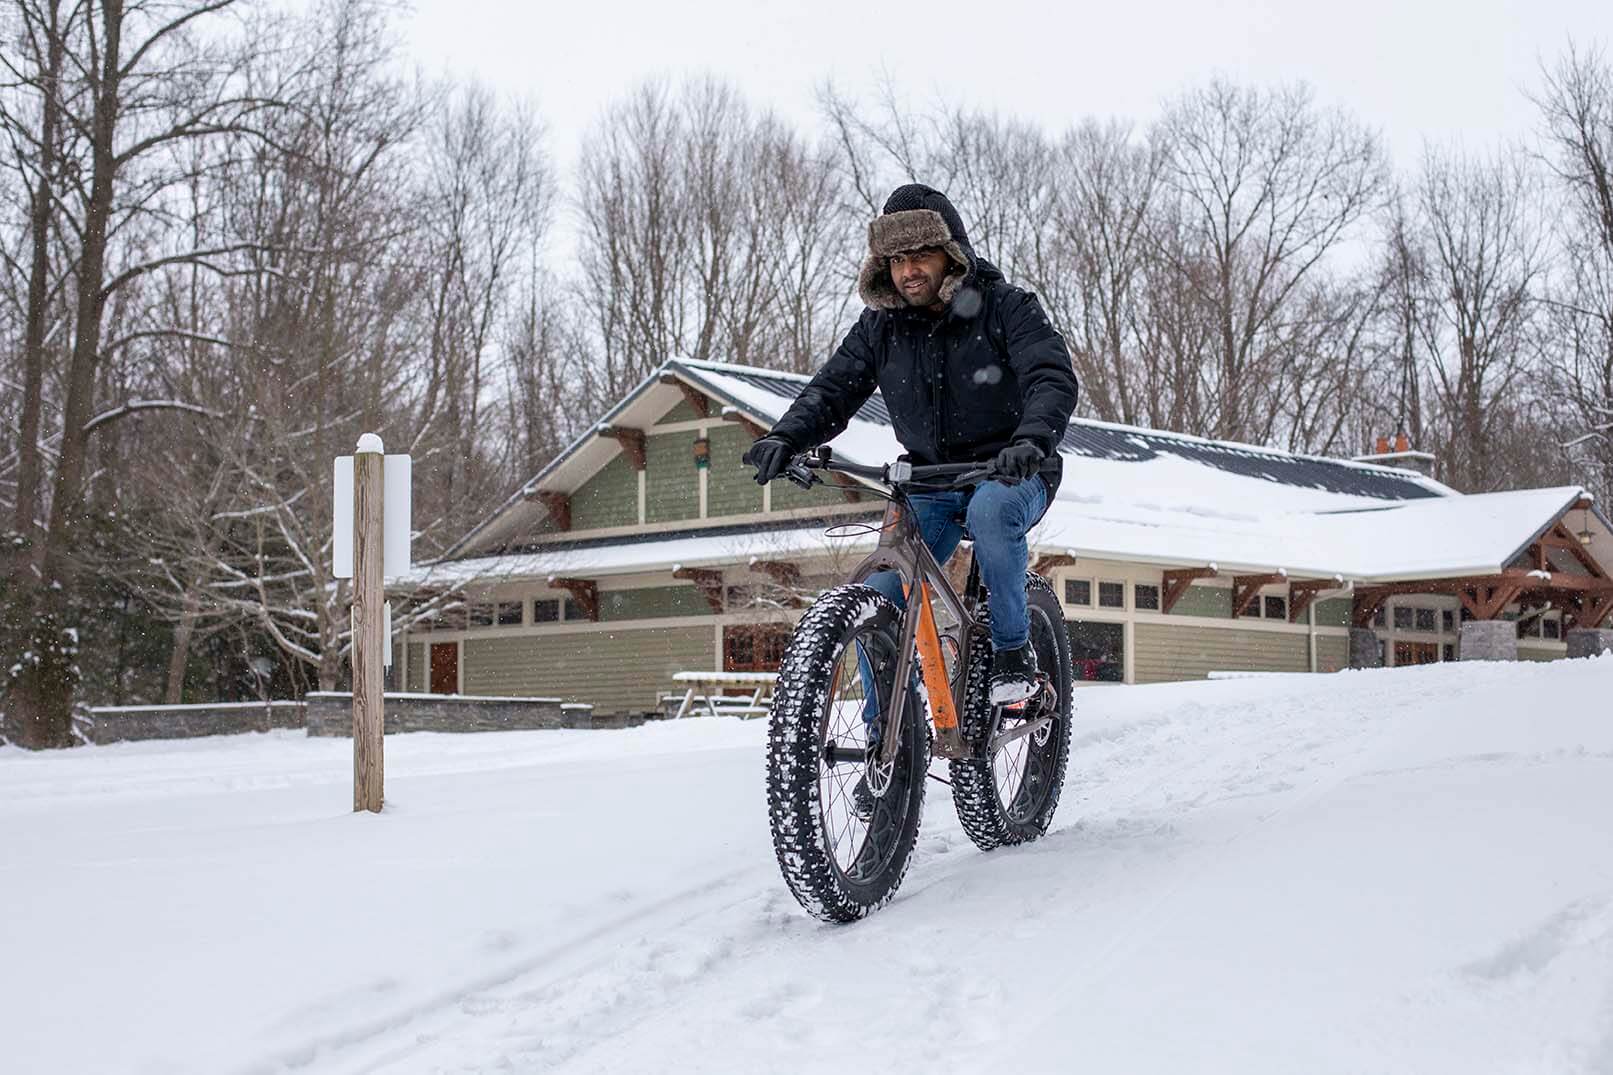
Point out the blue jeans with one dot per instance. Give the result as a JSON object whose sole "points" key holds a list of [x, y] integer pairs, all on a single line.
{"points": [[998, 516]]}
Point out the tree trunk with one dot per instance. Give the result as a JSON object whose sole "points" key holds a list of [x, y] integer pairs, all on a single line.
{"points": [[33, 348], [43, 695], [180, 658]]}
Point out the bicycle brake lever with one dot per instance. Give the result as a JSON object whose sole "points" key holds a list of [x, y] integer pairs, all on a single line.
{"points": [[801, 476]]}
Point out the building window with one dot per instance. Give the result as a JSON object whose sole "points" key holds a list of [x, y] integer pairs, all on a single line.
{"points": [[568, 609], [1465, 614], [1551, 628], [1111, 595], [1252, 609], [1447, 620], [481, 615], [545, 610], [1078, 592], [754, 649], [1403, 619], [1380, 617], [1145, 597], [1276, 607], [1450, 652], [1425, 619], [509, 613], [1097, 651]]}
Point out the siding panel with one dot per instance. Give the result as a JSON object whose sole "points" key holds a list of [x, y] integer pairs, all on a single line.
{"points": [[1212, 601], [617, 671], [609, 498], [652, 601], [1332, 653], [730, 489], [672, 481], [1169, 652], [1333, 612]]}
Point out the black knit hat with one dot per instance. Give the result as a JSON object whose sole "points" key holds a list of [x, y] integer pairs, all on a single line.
{"points": [[915, 217]]}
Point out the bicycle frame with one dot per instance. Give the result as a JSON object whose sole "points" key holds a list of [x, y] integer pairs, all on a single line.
{"points": [[902, 549]]}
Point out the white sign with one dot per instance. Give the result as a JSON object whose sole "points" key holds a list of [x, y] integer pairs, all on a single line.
{"points": [[397, 522]]}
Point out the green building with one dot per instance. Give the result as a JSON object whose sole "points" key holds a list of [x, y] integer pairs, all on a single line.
{"points": [[645, 549]]}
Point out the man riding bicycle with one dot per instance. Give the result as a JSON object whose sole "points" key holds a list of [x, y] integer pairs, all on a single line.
{"points": [[971, 370]]}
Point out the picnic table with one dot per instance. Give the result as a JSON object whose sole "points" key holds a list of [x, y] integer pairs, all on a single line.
{"points": [[706, 689]]}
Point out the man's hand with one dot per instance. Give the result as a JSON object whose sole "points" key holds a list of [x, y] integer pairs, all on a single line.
{"points": [[769, 455], [1018, 461]]}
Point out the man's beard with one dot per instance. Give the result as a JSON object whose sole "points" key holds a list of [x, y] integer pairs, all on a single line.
{"points": [[924, 296]]}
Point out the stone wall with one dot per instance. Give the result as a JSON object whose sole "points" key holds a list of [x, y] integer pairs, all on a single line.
{"points": [[116, 724], [331, 713], [1589, 642], [1488, 640]]}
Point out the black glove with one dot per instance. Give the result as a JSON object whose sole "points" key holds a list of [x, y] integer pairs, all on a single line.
{"points": [[769, 455], [1018, 461]]}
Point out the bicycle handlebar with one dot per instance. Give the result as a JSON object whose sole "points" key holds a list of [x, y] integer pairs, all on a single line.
{"points": [[897, 473]]}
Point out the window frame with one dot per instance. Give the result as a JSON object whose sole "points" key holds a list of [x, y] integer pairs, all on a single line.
{"points": [[1118, 584], [1070, 582]]}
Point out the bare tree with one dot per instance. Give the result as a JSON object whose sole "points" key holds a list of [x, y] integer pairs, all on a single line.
{"points": [[1577, 107], [1483, 244], [1267, 185], [137, 83]]}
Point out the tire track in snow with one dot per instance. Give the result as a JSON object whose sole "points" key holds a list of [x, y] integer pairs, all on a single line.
{"points": [[327, 1047]]}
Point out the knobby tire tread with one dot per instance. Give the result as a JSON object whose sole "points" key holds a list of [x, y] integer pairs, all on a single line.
{"points": [[974, 782], [793, 753]]}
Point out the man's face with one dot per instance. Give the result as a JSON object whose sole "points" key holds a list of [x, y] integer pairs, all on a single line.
{"points": [[918, 274]]}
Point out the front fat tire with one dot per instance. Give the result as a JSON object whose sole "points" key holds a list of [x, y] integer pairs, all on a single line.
{"points": [[795, 752], [974, 780]]}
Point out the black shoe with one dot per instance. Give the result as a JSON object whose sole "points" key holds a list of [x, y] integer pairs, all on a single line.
{"points": [[1013, 675]]}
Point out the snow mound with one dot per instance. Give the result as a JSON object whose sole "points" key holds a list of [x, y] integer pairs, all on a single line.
{"points": [[1403, 870]]}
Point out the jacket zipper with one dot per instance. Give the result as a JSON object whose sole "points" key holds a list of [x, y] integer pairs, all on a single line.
{"points": [[937, 384]]}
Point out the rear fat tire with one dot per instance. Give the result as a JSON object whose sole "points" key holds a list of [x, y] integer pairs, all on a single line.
{"points": [[795, 753], [974, 780]]}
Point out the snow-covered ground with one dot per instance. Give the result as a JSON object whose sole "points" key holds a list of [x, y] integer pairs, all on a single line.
{"points": [[1398, 871]]}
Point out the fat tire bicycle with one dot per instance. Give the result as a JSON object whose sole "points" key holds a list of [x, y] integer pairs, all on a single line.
{"points": [[844, 849]]}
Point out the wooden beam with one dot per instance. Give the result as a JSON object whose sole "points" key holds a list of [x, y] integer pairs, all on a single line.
{"points": [[1046, 565], [1496, 600], [693, 396], [1366, 605], [785, 574], [707, 581], [751, 427], [1593, 612], [557, 504], [631, 440], [1578, 551], [1246, 588], [1178, 580], [585, 592], [1521, 577], [1301, 594]]}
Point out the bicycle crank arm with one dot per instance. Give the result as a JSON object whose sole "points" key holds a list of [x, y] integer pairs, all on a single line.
{"points": [[1030, 727]]}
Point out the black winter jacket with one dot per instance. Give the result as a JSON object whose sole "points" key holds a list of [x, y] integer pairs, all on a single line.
{"points": [[959, 387]]}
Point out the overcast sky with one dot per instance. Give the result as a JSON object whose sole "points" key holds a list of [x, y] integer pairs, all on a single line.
{"points": [[1446, 69]]}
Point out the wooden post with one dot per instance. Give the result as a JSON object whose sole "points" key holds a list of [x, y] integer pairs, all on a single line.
{"points": [[368, 595]]}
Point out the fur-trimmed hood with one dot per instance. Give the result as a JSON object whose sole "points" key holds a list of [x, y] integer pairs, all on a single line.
{"points": [[916, 216]]}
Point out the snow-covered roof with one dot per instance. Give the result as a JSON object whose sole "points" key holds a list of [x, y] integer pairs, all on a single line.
{"points": [[1128, 494], [594, 559]]}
